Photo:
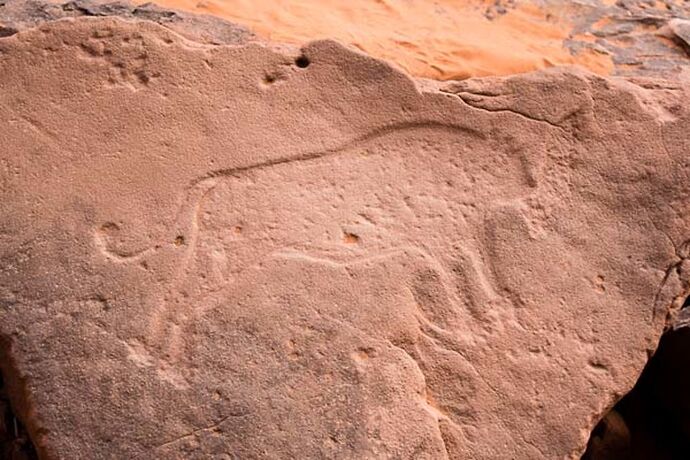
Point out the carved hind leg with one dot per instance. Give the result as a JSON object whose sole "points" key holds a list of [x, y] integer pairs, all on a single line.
{"points": [[172, 310]]}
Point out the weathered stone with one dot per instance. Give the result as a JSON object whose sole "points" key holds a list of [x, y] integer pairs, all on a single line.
{"points": [[681, 28], [233, 252], [16, 15]]}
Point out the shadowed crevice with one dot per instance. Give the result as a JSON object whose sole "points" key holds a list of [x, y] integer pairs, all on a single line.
{"points": [[15, 442], [653, 420]]}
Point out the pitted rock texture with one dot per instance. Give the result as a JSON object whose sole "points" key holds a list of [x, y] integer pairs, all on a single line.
{"points": [[232, 252]]}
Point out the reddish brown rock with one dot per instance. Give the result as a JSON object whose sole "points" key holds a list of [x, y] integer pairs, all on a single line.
{"points": [[681, 28], [231, 252]]}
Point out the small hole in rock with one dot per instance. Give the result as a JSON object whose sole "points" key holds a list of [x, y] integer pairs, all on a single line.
{"points": [[179, 241], [350, 238], [302, 62], [652, 421]]}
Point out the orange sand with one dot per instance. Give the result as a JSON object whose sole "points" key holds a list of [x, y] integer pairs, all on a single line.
{"points": [[441, 39]]}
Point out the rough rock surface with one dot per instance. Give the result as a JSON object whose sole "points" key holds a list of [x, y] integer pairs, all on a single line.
{"points": [[653, 419], [16, 15], [640, 35], [233, 252]]}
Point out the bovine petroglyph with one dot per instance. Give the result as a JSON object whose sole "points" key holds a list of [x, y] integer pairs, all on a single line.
{"points": [[227, 224]]}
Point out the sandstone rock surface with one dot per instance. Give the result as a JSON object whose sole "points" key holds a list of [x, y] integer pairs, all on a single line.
{"points": [[227, 251], [16, 15]]}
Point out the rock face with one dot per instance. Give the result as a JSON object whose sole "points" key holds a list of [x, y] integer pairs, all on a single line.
{"points": [[653, 419], [16, 15], [235, 252]]}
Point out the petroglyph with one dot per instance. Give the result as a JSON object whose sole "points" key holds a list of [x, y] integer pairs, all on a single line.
{"points": [[349, 264], [229, 218]]}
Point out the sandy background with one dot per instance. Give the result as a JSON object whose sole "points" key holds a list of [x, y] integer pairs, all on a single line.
{"points": [[443, 39]]}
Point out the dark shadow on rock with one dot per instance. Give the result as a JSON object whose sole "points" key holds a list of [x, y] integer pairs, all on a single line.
{"points": [[15, 443], [653, 420]]}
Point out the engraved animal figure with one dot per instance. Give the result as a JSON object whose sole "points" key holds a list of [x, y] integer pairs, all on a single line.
{"points": [[399, 190], [412, 221]]}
